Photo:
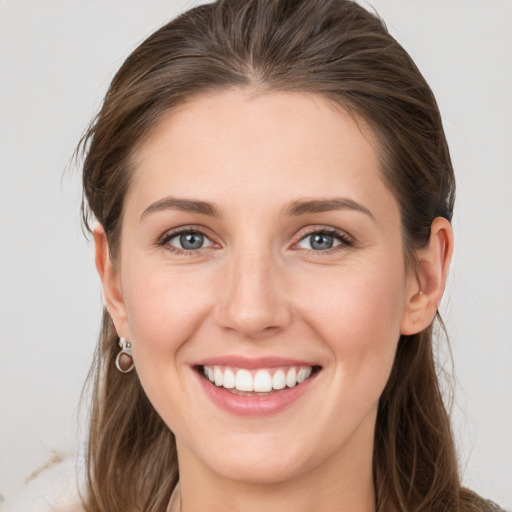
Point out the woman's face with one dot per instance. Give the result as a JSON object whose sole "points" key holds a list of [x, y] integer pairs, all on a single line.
{"points": [[259, 239]]}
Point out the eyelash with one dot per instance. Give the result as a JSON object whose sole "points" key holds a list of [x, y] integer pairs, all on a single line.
{"points": [[164, 240], [341, 236]]}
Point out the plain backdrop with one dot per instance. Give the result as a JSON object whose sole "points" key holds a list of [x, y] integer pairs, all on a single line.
{"points": [[56, 60]]}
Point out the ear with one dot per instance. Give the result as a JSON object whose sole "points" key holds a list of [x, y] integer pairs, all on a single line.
{"points": [[426, 286], [109, 275]]}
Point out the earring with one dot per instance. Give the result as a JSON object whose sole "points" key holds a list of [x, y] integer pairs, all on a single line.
{"points": [[124, 359]]}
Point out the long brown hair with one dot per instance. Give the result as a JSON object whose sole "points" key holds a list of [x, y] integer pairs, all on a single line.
{"points": [[333, 48]]}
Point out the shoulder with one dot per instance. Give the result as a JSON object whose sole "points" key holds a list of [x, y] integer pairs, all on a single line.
{"points": [[52, 488]]}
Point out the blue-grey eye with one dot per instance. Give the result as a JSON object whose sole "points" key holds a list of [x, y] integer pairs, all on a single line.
{"points": [[192, 240], [319, 241], [189, 241]]}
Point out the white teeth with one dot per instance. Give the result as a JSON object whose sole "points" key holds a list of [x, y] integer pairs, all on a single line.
{"points": [[218, 375], [229, 379], [261, 382], [279, 380], [244, 381], [303, 374], [291, 377]]}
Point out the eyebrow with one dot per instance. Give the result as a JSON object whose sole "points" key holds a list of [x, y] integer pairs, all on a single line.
{"points": [[184, 205], [295, 209], [302, 207]]}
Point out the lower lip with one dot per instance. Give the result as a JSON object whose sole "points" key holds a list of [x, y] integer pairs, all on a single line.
{"points": [[257, 405]]}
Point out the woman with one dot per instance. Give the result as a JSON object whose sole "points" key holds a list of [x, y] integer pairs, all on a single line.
{"points": [[273, 191]]}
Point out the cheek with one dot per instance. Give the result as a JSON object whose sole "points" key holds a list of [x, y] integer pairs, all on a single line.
{"points": [[164, 309], [358, 313], [359, 304]]}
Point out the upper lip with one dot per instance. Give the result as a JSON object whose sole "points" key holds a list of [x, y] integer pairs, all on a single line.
{"points": [[238, 361]]}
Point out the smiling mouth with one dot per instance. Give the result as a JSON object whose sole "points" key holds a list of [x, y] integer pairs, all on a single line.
{"points": [[257, 382]]}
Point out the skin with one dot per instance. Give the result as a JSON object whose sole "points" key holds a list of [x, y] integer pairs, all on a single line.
{"points": [[257, 287]]}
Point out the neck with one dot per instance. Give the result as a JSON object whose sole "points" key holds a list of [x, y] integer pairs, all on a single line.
{"points": [[342, 483]]}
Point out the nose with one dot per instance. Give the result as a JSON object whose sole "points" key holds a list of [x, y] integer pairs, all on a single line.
{"points": [[253, 299]]}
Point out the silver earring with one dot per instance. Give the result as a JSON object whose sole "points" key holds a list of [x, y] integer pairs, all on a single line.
{"points": [[124, 359]]}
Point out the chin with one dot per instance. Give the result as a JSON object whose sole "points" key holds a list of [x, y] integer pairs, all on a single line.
{"points": [[270, 461], [260, 472]]}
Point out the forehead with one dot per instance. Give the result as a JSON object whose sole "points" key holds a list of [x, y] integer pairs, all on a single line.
{"points": [[252, 147]]}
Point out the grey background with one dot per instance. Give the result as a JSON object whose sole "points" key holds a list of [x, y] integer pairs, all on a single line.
{"points": [[56, 60]]}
